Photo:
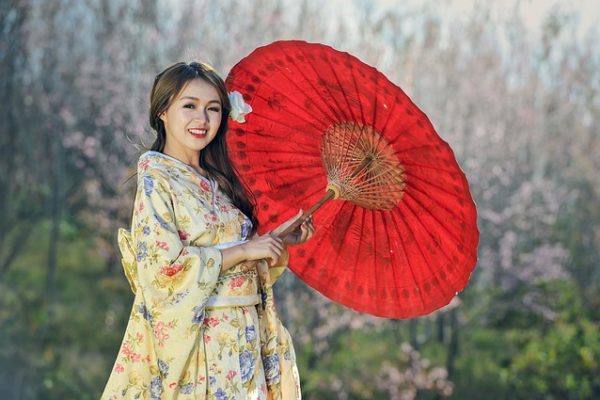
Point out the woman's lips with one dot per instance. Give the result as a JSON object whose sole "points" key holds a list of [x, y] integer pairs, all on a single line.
{"points": [[198, 133]]}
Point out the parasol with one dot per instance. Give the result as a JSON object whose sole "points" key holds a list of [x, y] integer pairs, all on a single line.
{"points": [[396, 233]]}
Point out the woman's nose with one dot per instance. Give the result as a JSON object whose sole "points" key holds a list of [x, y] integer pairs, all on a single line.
{"points": [[202, 115]]}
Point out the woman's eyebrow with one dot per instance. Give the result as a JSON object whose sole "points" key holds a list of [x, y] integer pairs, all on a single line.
{"points": [[197, 99]]}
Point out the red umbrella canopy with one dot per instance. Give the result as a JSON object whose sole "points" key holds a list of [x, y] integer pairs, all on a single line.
{"points": [[411, 246]]}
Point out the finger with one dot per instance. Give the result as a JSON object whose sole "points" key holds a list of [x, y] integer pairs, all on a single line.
{"points": [[275, 251], [311, 231], [272, 241], [276, 245], [304, 236], [274, 259], [309, 227], [277, 241], [305, 233]]}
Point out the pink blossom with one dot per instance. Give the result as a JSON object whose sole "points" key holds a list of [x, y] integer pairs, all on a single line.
{"points": [[126, 349], [183, 235], [211, 217], [211, 321], [204, 186], [159, 332], [162, 245], [170, 270], [237, 282], [144, 164], [230, 375]]}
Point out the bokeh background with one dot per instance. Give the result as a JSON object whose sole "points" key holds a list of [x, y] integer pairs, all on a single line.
{"points": [[513, 86]]}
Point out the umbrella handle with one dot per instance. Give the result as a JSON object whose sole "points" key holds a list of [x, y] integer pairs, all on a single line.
{"points": [[328, 196]]}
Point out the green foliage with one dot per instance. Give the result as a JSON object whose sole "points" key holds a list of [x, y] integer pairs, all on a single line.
{"points": [[60, 342], [563, 364], [355, 367]]}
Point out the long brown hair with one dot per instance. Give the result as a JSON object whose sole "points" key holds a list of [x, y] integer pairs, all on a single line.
{"points": [[214, 158]]}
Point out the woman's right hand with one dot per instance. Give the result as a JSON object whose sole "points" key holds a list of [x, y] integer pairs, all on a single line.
{"points": [[259, 247], [264, 247]]}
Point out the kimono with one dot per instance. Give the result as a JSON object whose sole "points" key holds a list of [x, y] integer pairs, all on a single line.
{"points": [[196, 332]]}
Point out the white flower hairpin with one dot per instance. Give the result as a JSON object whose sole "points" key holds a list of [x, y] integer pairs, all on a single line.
{"points": [[239, 108]]}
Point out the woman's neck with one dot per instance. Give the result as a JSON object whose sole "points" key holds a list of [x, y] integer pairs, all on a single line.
{"points": [[192, 160]]}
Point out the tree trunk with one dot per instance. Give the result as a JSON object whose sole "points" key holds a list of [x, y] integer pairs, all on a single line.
{"points": [[13, 57], [412, 326], [439, 322], [452, 343]]}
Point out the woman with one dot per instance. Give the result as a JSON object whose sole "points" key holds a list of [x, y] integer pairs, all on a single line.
{"points": [[203, 323]]}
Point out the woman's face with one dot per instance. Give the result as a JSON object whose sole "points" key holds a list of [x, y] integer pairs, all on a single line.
{"points": [[192, 120]]}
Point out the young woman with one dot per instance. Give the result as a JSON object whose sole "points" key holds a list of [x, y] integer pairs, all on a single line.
{"points": [[203, 323]]}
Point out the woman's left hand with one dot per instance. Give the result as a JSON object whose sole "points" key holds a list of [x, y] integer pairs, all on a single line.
{"points": [[300, 234]]}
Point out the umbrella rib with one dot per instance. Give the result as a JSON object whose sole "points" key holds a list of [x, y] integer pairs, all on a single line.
{"points": [[373, 230], [282, 168], [421, 251], [376, 102], [266, 100], [362, 223], [380, 137], [390, 114], [441, 189], [424, 193], [360, 103], [288, 184], [409, 265], [275, 90], [352, 116], [433, 167], [426, 210], [442, 225], [338, 251], [270, 151], [346, 142], [422, 225], [326, 88], [392, 255], [288, 112], [330, 253], [412, 149]]}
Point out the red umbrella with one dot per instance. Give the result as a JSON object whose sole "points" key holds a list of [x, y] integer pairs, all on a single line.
{"points": [[401, 238]]}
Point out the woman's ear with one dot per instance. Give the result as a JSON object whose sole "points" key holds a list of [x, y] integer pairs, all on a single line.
{"points": [[163, 116]]}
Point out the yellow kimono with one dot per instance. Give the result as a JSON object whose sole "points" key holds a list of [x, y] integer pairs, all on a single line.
{"points": [[194, 332]]}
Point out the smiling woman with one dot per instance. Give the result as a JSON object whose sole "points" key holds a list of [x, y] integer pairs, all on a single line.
{"points": [[192, 121], [203, 323]]}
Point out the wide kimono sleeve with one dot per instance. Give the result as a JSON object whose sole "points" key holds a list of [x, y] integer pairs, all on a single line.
{"points": [[277, 349], [175, 280]]}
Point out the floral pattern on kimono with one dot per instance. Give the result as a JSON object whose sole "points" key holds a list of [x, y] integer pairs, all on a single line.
{"points": [[196, 332]]}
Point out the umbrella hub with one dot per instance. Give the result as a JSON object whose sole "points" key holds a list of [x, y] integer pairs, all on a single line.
{"points": [[361, 166]]}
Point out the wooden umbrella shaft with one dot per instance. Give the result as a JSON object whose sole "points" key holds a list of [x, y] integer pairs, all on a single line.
{"points": [[328, 196]]}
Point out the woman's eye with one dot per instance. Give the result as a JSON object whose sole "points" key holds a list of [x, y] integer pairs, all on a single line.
{"points": [[215, 109], [188, 106]]}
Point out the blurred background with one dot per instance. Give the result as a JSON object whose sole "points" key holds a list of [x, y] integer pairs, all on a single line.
{"points": [[513, 86]]}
